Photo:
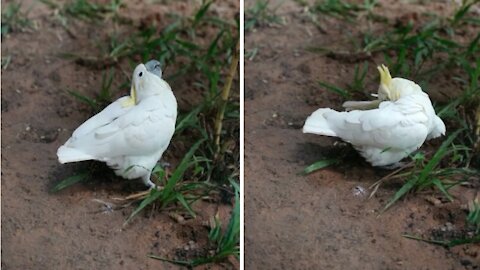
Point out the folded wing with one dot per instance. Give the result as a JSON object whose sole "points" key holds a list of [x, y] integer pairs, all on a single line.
{"points": [[142, 130], [401, 125]]}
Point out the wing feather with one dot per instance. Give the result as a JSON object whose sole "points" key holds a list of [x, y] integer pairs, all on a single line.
{"points": [[106, 116], [402, 124], [145, 128]]}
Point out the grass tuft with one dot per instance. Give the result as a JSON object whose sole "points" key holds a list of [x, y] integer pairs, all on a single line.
{"points": [[342, 9], [261, 14], [173, 190], [13, 19], [226, 242], [473, 217]]}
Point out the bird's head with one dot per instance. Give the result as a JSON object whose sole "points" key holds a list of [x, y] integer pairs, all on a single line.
{"points": [[145, 79], [393, 89], [154, 66]]}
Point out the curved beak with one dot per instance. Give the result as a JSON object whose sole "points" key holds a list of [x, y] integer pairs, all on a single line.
{"points": [[133, 94], [132, 100], [385, 80]]}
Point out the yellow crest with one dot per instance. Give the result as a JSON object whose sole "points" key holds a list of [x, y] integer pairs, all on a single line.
{"points": [[385, 77]]}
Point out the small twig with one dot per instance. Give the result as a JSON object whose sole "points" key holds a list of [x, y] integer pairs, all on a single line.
{"points": [[136, 196]]}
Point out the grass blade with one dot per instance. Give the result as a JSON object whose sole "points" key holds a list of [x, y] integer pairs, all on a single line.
{"points": [[447, 244], [168, 194], [201, 12], [442, 188], [231, 236], [90, 102], [319, 165], [182, 167], [402, 191], [152, 196], [437, 157], [342, 92], [185, 204], [69, 181], [178, 262]]}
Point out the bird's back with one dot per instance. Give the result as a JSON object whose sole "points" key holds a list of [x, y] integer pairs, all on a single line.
{"points": [[401, 125]]}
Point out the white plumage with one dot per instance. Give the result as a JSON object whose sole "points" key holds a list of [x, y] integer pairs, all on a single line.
{"points": [[132, 133], [404, 119]]}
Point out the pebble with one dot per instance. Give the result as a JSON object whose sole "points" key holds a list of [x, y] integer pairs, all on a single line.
{"points": [[359, 191]]}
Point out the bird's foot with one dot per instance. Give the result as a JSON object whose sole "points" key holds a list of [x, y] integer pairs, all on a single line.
{"points": [[151, 185], [164, 164], [143, 194]]}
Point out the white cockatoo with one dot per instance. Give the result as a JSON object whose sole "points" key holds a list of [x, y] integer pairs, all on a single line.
{"points": [[385, 130], [132, 133]]}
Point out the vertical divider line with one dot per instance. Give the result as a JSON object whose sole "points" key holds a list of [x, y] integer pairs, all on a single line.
{"points": [[242, 133]]}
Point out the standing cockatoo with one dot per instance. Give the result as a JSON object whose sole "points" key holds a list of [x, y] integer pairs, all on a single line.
{"points": [[132, 133], [390, 128]]}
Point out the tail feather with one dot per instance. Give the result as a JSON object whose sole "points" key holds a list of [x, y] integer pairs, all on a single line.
{"points": [[438, 128], [317, 124], [67, 154]]}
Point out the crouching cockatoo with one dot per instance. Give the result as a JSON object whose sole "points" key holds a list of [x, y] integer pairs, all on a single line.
{"points": [[132, 133], [386, 130]]}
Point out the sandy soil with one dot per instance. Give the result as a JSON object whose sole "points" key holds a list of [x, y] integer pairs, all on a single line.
{"points": [[321, 221], [69, 229]]}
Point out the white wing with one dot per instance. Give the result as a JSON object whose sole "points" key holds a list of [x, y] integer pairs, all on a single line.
{"points": [[102, 118], [144, 129], [401, 125]]}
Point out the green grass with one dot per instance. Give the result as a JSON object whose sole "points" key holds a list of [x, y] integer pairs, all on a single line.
{"points": [[318, 165], [14, 19], [422, 54], [226, 243], [357, 86], [343, 9], [428, 173], [209, 129], [6, 61], [261, 13], [447, 244], [85, 10], [104, 96], [174, 189], [473, 217]]}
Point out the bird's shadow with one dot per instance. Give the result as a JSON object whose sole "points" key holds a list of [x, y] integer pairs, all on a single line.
{"points": [[349, 162], [341, 151], [99, 177]]}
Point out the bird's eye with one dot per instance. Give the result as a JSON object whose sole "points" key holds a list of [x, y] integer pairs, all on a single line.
{"points": [[140, 74], [157, 66]]}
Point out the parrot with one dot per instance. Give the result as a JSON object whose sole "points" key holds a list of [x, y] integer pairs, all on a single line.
{"points": [[386, 130], [131, 134]]}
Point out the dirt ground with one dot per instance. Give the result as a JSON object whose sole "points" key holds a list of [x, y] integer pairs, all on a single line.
{"points": [[71, 229], [322, 221]]}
